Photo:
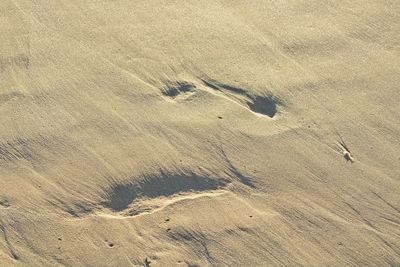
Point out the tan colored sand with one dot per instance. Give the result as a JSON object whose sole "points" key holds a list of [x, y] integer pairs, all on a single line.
{"points": [[199, 133]]}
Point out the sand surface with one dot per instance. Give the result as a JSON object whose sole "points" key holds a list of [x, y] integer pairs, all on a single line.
{"points": [[199, 133]]}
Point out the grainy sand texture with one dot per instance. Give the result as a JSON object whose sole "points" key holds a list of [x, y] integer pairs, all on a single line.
{"points": [[199, 133]]}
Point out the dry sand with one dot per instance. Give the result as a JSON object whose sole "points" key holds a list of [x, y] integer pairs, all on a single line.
{"points": [[199, 133]]}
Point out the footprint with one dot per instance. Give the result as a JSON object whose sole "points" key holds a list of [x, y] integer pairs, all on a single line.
{"points": [[178, 90], [262, 104], [122, 196]]}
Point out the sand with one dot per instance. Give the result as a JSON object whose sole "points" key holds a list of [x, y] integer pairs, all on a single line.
{"points": [[199, 133]]}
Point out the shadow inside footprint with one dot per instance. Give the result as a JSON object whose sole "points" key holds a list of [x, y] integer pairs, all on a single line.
{"points": [[264, 105], [173, 90], [122, 195]]}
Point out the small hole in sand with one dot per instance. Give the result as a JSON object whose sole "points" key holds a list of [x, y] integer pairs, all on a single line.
{"points": [[111, 245]]}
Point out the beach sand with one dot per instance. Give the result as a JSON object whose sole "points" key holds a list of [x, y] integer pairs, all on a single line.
{"points": [[199, 133]]}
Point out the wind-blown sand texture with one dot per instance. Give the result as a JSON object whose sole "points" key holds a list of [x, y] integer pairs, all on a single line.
{"points": [[199, 133]]}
